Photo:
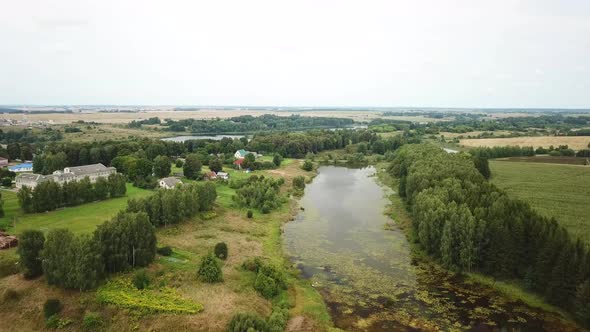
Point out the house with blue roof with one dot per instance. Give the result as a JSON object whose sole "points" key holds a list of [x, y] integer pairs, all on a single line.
{"points": [[20, 168]]}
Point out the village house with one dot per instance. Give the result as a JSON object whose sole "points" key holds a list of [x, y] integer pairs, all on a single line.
{"points": [[241, 154], [223, 175], [93, 172], [3, 161], [169, 182]]}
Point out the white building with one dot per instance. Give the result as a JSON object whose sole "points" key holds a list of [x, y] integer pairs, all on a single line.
{"points": [[77, 173], [169, 183], [223, 175]]}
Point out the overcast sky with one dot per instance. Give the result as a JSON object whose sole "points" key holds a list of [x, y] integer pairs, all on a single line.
{"points": [[501, 53]]}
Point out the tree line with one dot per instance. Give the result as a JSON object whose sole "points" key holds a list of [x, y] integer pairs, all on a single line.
{"points": [[82, 261], [248, 123], [50, 195], [126, 241], [167, 207], [470, 225]]}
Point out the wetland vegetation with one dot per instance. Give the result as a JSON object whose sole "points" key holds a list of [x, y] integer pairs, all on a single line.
{"points": [[373, 279]]}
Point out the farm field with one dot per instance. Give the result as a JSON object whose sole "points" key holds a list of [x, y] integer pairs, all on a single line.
{"points": [[447, 134], [548, 160], [79, 219], [560, 191], [574, 142]]}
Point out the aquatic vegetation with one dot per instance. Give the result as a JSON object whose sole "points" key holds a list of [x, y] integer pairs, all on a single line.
{"points": [[371, 278]]}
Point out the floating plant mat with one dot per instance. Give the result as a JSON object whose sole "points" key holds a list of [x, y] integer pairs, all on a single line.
{"points": [[366, 275]]}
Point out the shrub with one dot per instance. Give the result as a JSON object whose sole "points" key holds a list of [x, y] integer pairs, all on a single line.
{"points": [[299, 182], [221, 250], [249, 214], [30, 246], [165, 251], [277, 159], [307, 165], [244, 322], [52, 307], [6, 181], [52, 322], [141, 280], [266, 286], [92, 321], [278, 320], [210, 270], [252, 264], [179, 163], [274, 273]]}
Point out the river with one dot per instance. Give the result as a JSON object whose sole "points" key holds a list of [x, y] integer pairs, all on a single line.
{"points": [[363, 266]]}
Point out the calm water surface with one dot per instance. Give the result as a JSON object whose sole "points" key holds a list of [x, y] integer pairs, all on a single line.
{"points": [[188, 138], [366, 273]]}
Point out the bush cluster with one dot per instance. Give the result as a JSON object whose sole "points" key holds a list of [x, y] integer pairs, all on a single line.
{"points": [[221, 250], [210, 269]]}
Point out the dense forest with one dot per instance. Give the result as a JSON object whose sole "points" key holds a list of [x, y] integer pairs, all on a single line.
{"points": [[551, 124], [470, 225]]}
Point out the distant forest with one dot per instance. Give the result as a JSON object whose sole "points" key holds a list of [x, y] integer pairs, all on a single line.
{"points": [[246, 124]]}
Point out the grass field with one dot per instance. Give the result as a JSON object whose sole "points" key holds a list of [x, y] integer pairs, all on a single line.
{"points": [[560, 191], [574, 142], [79, 219], [548, 160]]}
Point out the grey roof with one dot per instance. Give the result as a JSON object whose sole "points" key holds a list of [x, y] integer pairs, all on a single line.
{"points": [[30, 177], [170, 181], [88, 169], [61, 176]]}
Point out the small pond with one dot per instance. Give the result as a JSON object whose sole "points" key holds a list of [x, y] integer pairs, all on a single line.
{"points": [[367, 275]]}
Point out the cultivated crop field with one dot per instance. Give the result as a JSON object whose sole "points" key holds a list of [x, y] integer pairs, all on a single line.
{"points": [[555, 190], [548, 159], [574, 142]]}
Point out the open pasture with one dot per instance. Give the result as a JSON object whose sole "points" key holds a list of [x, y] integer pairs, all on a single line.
{"points": [[554, 190]]}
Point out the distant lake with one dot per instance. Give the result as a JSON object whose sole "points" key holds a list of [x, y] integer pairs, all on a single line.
{"points": [[188, 138]]}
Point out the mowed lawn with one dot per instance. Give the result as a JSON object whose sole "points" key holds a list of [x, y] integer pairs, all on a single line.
{"points": [[560, 191], [79, 219]]}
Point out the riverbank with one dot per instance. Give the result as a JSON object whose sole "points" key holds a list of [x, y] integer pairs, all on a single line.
{"points": [[511, 291]]}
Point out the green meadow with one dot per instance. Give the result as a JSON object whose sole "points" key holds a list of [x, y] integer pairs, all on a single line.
{"points": [[79, 219], [555, 190]]}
